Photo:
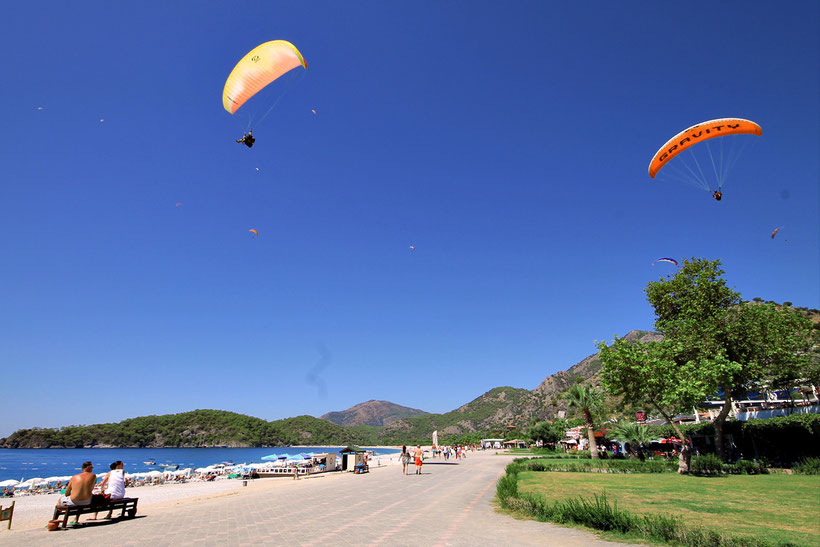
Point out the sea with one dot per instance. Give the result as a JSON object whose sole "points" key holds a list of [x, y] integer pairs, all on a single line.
{"points": [[27, 463]]}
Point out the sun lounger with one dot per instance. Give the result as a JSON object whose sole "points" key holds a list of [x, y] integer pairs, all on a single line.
{"points": [[128, 505]]}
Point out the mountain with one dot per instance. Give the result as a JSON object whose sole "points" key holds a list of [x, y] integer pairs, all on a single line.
{"points": [[495, 409], [589, 370], [373, 413], [504, 407]]}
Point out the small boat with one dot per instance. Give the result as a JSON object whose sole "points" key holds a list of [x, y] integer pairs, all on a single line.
{"points": [[170, 467], [150, 462], [228, 463]]}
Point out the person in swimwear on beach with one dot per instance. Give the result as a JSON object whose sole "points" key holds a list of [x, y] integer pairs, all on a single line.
{"points": [[78, 490], [418, 454]]}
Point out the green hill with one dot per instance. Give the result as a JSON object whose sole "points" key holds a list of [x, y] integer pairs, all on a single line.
{"points": [[199, 428]]}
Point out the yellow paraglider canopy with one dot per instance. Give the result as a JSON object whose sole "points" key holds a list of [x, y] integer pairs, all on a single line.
{"points": [[262, 65]]}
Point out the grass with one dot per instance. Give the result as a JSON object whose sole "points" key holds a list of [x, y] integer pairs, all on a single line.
{"points": [[771, 508]]}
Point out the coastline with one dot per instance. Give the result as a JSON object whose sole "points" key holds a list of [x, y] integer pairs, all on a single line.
{"points": [[33, 512]]}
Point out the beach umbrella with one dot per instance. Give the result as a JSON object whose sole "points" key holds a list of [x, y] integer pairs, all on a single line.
{"points": [[270, 457], [10, 482], [154, 474], [36, 481], [57, 479]]}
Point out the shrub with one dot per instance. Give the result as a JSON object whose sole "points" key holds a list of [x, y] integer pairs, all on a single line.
{"points": [[603, 466], [746, 467], [709, 464], [809, 466], [561, 455]]}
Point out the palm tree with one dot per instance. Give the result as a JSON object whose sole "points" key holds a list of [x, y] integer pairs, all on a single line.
{"points": [[636, 435], [588, 400]]}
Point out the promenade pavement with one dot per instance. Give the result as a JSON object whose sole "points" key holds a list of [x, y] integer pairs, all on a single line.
{"points": [[448, 504]]}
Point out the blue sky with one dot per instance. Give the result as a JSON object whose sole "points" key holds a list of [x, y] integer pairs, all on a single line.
{"points": [[508, 143]]}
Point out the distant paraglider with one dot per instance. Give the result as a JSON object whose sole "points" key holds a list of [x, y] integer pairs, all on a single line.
{"points": [[314, 112], [775, 232], [178, 204], [254, 232], [412, 247], [670, 260]]}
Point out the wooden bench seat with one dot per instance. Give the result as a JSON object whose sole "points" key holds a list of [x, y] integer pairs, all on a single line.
{"points": [[128, 506]]}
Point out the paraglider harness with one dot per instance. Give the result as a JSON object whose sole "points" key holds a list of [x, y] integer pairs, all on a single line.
{"points": [[248, 139], [717, 195]]}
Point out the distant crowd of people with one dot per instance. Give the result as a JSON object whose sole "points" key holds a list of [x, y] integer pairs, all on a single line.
{"points": [[458, 452]]}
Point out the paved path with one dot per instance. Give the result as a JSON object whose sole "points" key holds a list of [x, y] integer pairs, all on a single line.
{"points": [[449, 504]]}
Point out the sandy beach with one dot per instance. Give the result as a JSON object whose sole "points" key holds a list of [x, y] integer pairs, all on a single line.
{"points": [[32, 512]]}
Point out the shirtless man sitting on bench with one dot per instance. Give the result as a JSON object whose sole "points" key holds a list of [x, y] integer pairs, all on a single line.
{"points": [[78, 491]]}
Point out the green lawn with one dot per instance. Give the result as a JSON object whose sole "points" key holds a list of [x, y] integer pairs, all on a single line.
{"points": [[776, 508]]}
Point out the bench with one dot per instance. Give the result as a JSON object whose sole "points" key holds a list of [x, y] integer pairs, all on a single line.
{"points": [[128, 505]]}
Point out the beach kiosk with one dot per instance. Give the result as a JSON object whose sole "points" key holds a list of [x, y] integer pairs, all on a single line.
{"points": [[324, 462], [352, 458], [515, 443]]}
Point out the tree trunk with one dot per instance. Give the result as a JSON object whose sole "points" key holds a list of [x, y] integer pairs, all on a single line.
{"points": [[718, 424], [593, 447], [685, 457]]}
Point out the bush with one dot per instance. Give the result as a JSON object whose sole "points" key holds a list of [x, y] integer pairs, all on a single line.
{"points": [[603, 466], [561, 455], [809, 466], [782, 440], [746, 467], [709, 464]]}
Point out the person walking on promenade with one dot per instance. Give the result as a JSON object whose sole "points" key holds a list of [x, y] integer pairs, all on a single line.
{"points": [[419, 453], [405, 459]]}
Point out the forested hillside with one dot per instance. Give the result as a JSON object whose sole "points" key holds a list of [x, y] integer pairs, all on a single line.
{"points": [[199, 428]]}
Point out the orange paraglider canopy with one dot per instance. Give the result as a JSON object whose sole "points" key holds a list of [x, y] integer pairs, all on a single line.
{"points": [[699, 133], [262, 65]]}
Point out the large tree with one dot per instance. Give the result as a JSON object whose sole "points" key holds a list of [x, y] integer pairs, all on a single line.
{"points": [[714, 342], [588, 400], [735, 346]]}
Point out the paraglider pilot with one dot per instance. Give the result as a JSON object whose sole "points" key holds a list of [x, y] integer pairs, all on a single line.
{"points": [[248, 139], [717, 195]]}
